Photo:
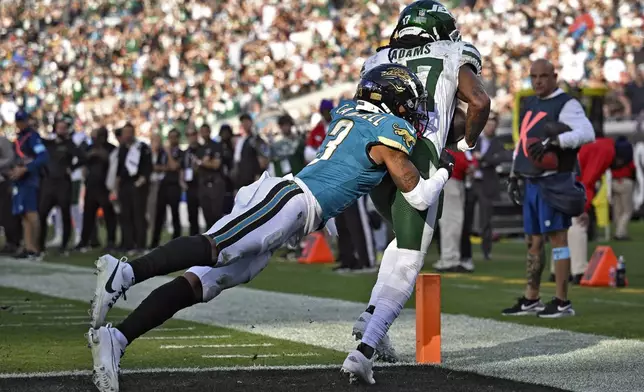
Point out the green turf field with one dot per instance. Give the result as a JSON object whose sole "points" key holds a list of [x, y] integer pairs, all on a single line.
{"points": [[43, 334], [494, 286], [39, 333]]}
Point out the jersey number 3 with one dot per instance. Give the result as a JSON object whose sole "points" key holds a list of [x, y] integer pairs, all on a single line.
{"points": [[428, 70], [338, 134]]}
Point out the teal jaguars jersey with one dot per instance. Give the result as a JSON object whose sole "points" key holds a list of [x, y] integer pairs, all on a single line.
{"points": [[342, 171]]}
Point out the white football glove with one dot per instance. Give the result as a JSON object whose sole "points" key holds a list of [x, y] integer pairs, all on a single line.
{"points": [[463, 146]]}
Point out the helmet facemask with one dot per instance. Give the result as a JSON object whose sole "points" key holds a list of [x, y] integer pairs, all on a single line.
{"points": [[414, 110]]}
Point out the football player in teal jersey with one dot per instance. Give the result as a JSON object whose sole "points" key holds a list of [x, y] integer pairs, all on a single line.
{"points": [[370, 136]]}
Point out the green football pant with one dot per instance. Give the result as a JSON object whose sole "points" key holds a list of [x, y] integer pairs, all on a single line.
{"points": [[413, 229]]}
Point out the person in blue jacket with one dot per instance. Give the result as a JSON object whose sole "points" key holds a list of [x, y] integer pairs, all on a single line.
{"points": [[32, 157]]}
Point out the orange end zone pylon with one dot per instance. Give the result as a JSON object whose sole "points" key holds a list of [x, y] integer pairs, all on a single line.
{"points": [[316, 250], [598, 271], [428, 319]]}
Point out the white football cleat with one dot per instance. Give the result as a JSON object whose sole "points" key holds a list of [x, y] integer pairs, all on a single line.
{"points": [[110, 285], [358, 367], [106, 353], [467, 265], [55, 242], [385, 351]]}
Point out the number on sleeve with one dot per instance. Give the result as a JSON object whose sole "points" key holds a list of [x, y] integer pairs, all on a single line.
{"points": [[428, 70], [338, 134]]}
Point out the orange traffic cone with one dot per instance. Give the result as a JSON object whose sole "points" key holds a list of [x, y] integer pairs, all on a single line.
{"points": [[316, 250], [601, 268]]}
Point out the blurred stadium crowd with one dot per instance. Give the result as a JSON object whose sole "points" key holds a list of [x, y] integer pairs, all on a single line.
{"points": [[188, 65], [183, 62]]}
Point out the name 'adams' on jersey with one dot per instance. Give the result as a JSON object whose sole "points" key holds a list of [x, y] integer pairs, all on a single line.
{"points": [[342, 171], [437, 65]]}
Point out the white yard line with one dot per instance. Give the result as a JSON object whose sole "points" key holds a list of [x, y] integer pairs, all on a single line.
{"points": [[26, 305], [568, 360], [21, 301], [18, 325], [162, 329], [226, 356], [83, 373], [193, 337], [85, 317], [179, 347], [58, 311]]}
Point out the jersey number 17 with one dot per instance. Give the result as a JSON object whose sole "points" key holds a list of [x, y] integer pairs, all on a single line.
{"points": [[428, 70]]}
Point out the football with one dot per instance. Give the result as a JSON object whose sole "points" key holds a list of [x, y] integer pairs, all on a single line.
{"points": [[549, 161]]}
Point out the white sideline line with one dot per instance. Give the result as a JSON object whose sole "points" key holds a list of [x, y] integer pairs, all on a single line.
{"points": [[195, 337], [172, 329], [44, 324], [76, 373], [228, 356], [85, 317], [171, 346]]}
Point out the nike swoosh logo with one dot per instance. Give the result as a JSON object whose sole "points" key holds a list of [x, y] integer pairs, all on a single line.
{"points": [[523, 307], [559, 308], [108, 285]]}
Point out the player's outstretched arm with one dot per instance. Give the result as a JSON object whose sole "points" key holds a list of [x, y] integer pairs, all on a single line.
{"points": [[418, 192], [472, 91]]}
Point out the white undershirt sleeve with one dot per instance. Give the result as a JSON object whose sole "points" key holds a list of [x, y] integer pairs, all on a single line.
{"points": [[582, 132]]}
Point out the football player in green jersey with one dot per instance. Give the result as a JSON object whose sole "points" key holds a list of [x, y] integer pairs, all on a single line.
{"points": [[427, 41]]}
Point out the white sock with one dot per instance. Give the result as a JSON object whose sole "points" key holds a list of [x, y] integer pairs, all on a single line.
{"points": [[386, 267], [128, 275], [118, 335], [393, 295], [77, 219], [58, 224]]}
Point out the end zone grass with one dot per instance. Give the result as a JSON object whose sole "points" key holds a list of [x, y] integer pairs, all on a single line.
{"points": [[46, 334], [494, 286]]}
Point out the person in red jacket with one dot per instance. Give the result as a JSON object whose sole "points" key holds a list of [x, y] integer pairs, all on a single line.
{"points": [[451, 221], [622, 185], [594, 159], [317, 134]]}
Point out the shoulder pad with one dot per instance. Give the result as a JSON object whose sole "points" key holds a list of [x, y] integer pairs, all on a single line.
{"points": [[470, 55], [375, 60], [398, 134]]}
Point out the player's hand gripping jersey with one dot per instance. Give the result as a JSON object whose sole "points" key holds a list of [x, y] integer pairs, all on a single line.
{"points": [[343, 171]]}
